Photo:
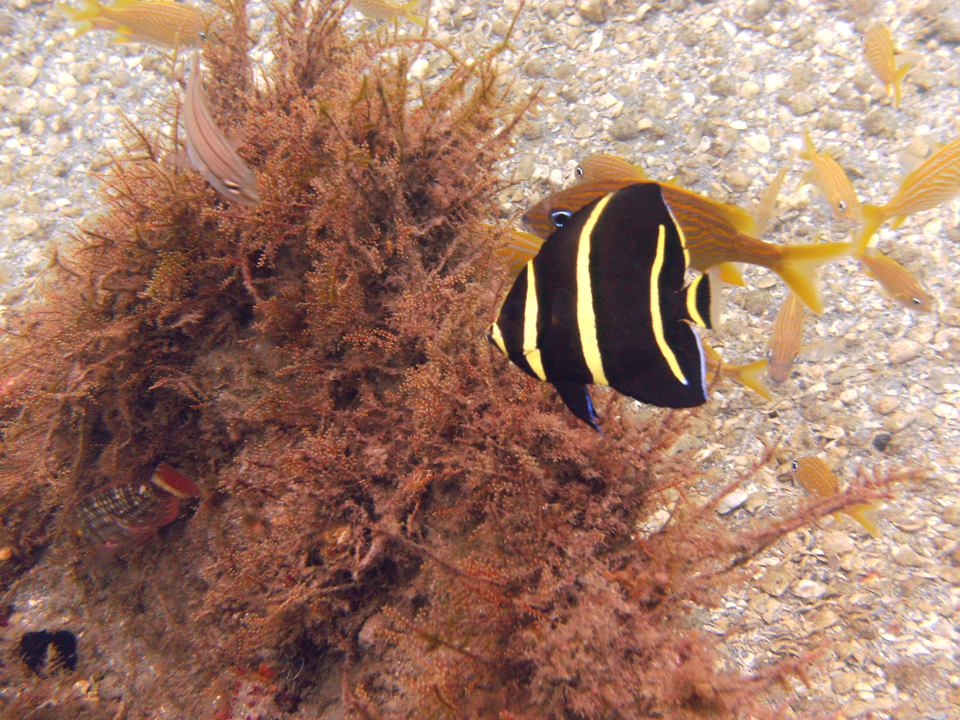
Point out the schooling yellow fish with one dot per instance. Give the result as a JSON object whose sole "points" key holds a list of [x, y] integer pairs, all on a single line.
{"points": [[785, 338], [518, 249], [209, 150], [749, 375], [712, 233], [897, 282], [604, 166], [936, 181], [768, 201], [818, 479], [386, 10], [833, 181], [878, 51], [158, 22]]}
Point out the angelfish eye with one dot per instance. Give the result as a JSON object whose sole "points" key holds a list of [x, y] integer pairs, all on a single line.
{"points": [[560, 217], [794, 466]]}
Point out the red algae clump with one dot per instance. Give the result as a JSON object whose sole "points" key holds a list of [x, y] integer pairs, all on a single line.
{"points": [[393, 522]]}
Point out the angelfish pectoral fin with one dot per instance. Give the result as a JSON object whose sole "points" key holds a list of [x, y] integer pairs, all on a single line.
{"points": [[576, 397]]}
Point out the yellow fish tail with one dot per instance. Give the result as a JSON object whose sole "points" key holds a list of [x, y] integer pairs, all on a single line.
{"points": [[873, 218], [730, 274], [866, 515], [408, 12], [90, 10], [799, 267], [751, 377], [808, 150], [897, 78]]}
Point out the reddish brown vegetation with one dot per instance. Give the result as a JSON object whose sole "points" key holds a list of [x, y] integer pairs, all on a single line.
{"points": [[383, 496]]}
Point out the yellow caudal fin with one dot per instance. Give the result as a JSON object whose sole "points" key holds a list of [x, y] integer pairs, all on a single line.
{"points": [[730, 274], [873, 218], [866, 515], [897, 78], [751, 377], [408, 12], [799, 268], [90, 10]]}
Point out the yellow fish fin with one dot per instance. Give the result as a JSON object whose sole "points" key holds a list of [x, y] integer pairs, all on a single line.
{"points": [[751, 377], [742, 220], [408, 12], [873, 218], [897, 79], [122, 37], [799, 267], [730, 274], [866, 515], [90, 10], [117, 4]]}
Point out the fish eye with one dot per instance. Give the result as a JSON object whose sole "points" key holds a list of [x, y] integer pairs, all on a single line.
{"points": [[842, 205], [794, 466], [578, 172], [917, 301], [560, 217], [203, 35]]}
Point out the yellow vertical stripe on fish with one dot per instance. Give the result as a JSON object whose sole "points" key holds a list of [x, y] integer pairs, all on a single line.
{"points": [[936, 181], [878, 51], [157, 22], [656, 315], [816, 477], [786, 336], [211, 153], [531, 311], [497, 336], [897, 282], [386, 10], [833, 181], [586, 319]]}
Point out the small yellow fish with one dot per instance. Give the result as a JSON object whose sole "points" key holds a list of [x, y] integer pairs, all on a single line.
{"points": [[935, 182], [386, 10], [768, 201], [604, 166], [818, 479], [833, 181], [897, 282], [785, 338], [714, 234], [158, 22], [749, 376], [210, 152], [878, 51], [518, 249]]}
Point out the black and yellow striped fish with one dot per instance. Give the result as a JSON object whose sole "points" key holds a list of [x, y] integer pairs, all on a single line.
{"points": [[605, 302]]}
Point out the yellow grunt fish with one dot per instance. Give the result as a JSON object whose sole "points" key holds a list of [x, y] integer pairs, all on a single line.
{"points": [[878, 51], [518, 249], [833, 181], [604, 166], [159, 22], [818, 479], [749, 376], [785, 338], [768, 201], [386, 10], [936, 181], [897, 282], [209, 150], [714, 234]]}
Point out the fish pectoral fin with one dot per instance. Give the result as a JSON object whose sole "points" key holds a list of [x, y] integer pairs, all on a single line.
{"points": [[576, 397], [730, 273]]}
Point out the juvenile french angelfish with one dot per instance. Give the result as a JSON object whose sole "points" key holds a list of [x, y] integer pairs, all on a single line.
{"points": [[157, 22], [936, 181], [712, 234], [387, 10], [785, 339], [816, 477], [896, 281], [878, 51], [210, 152], [833, 181], [604, 302], [749, 375]]}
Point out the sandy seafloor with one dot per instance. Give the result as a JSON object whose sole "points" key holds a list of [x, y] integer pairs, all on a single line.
{"points": [[717, 95]]}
